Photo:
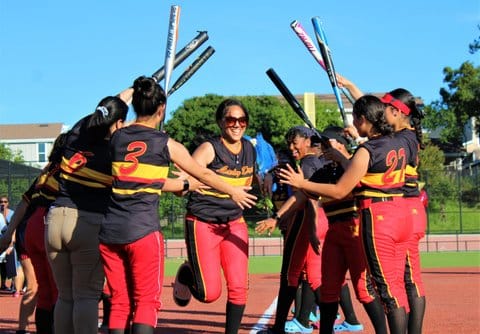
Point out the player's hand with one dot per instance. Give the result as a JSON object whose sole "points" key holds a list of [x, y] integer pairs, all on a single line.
{"points": [[266, 225], [291, 177], [241, 196]]}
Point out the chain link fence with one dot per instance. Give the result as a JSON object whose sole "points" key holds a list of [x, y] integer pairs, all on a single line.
{"points": [[454, 200]]}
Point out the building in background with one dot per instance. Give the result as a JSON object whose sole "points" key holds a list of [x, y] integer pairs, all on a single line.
{"points": [[32, 141]]}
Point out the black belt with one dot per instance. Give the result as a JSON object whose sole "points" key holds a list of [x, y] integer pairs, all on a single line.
{"points": [[381, 199]]}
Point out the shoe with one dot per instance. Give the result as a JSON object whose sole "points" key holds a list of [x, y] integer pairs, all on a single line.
{"points": [[181, 292], [16, 294], [294, 326], [313, 317], [346, 327]]}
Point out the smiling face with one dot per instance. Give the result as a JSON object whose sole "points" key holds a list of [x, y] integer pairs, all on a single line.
{"points": [[299, 147], [234, 123]]}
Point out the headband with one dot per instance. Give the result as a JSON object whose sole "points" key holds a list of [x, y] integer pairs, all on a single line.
{"points": [[389, 99]]}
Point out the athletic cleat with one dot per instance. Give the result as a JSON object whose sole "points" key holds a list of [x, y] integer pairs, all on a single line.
{"points": [[346, 327], [181, 292], [294, 326]]}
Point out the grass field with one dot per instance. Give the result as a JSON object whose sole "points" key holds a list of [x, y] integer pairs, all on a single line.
{"points": [[271, 264]]}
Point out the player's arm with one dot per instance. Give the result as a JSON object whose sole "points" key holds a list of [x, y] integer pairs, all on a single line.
{"points": [[180, 156], [353, 174], [290, 205]]}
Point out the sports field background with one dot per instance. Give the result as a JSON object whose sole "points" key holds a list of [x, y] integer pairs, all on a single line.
{"points": [[452, 283]]}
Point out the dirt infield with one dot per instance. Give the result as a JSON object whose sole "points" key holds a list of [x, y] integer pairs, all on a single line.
{"points": [[453, 306]]}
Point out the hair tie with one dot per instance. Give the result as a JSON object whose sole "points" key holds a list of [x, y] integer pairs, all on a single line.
{"points": [[103, 110]]}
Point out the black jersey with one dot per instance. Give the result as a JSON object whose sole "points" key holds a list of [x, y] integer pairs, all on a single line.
{"points": [[235, 169], [310, 163], [386, 168], [140, 164], [46, 187], [335, 210], [85, 172], [409, 138]]}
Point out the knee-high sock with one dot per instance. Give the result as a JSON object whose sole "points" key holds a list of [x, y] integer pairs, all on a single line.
{"points": [[44, 321], [308, 304], [142, 329], [298, 300], [347, 306], [415, 317], [234, 316], [376, 314], [286, 295], [397, 321], [328, 313]]}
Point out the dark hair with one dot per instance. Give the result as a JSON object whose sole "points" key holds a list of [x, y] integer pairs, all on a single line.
{"points": [[108, 111], [222, 109], [337, 133], [147, 96], [298, 131], [56, 153], [373, 109], [416, 114]]}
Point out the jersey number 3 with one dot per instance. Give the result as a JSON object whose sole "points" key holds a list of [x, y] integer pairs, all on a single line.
{"points": [[136, 149]]}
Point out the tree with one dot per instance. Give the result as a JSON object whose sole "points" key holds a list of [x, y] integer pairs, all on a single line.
{"points": [[460, 101], [475, 45], [7, 154], [431, 171], [194, 120]]}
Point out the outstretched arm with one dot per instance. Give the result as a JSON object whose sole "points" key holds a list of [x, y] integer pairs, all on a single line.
{"points": [[352, 88], [291, 204], [17, 217], [353, 174], [185, 161]]}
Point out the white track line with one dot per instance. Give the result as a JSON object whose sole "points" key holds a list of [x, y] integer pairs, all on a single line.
{"points": [[265, 318]]}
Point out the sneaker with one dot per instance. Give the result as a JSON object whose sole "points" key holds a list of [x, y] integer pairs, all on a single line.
{"points": [[346, 327], [294, 326], [181, 291], [16, 294]]}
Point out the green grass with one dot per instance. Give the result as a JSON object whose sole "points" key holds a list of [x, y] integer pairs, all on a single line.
{"points": [[271, 264]]}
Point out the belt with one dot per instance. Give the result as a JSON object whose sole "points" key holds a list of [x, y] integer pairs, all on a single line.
{"points": [[381, 199], [363, 203]]}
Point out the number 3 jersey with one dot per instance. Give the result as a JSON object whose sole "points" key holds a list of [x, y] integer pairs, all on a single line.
{"points": [[140, 164]]}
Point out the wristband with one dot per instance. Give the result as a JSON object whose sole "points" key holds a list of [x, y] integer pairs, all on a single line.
{"points": [[275, 216], [186, 185]]}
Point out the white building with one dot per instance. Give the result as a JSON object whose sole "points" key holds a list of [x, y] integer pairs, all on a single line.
{"points": [[32, 141]]}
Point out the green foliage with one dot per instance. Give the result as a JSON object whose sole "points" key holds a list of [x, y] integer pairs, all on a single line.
{"points": [[7, 154], [459, 102]]}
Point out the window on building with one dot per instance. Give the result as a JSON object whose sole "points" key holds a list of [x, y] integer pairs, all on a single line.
{"points": [[42, 154]]}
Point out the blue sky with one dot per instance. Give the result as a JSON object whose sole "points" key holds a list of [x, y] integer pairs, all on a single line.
{"points": [[59, 58]]}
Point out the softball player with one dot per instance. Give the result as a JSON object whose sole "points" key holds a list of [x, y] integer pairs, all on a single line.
{"points": [[402, 113], [131, 241], [216, 233], [74, 218], [301, 252], [29, 217], [342, 246], [376, 175]]}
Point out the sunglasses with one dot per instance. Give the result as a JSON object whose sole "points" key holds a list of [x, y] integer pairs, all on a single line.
{"points": [[3, 201], [231, 121]]}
